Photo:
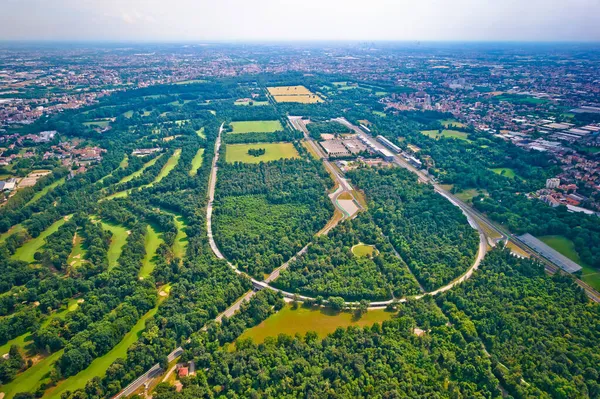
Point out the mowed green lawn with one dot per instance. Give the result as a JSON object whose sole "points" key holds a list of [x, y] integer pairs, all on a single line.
{"points": [[197, 162], [45, 190], [508, 172], [30, 379], [566, 247], [77, 253], [363, 250], [435, 134], [323, 321], [256, 127], [139, 172], [99, 366], [273, 152], [27, 250], [17, 228], [200, 133], [117, 241], [153, 240], [181, 239], [254, 103]]}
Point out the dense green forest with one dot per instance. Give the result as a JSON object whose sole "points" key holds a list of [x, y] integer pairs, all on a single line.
{"points": [[542, 332], [330, 268], [431, 235], [265, 213]]}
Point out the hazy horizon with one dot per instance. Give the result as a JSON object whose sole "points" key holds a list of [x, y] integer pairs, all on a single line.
{"points": [[299, 21]]}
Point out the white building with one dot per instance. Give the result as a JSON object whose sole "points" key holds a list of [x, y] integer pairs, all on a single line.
{"points": [[552, 183]]}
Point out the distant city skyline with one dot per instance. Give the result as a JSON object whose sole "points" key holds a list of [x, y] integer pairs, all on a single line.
{"points": [[273, 20]]}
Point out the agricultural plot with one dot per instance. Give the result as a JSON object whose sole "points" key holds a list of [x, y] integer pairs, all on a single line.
{"points": [[296, 94], [255, 127], [273, 152]]}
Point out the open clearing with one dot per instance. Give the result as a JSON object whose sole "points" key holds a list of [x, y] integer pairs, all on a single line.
{"points": [[118, 239], [15, 229], [448, 122], [363, 250], [323, 321], [27, 250], [30, 379], [197, 162], [77, 253], [469, 194], [181, 239], [200, 133], [566, 247], [254, 103], [304, 99], [97, 123], [455, 134], [508, 172], [273, 151], [255, 127], [153, 240]]}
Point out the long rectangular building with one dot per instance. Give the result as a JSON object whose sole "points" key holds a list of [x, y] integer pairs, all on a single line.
{"points": [[389, 144], [551, 254]]}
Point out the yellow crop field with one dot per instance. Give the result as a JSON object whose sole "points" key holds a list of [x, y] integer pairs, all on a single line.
{"points": [[288, 90], [294, 94]]}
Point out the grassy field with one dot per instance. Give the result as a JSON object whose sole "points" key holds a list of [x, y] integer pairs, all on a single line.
{"points": [[119, 238], [153, 240], [77, 253], [181, 239], [303, 99], [197, 162], [27, 250], [274, 151], [128, 114], [99, 123], [15, 229], [508, 172], [192, 81], [169, 166], [468, 195], [379, 113], [181, 122], [201, 133], [363, 250], [310, 149], [139, 172], [255, 127], [45, 190], [448, 122], [323, 321], [566, 247], [434, 134], [99, 366], [30, 379]]}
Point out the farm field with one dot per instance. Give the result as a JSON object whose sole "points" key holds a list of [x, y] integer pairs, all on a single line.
{"points": [[434, 134], [323, 321], [27, 250], [99, 366], [274, 151], [118, 239], [508, 172], [153, 240], [197, 162], [566, 247], [255, 127], [296, 94]]}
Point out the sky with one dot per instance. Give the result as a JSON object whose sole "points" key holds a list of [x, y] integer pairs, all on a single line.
{"points": [[307, 20]]}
